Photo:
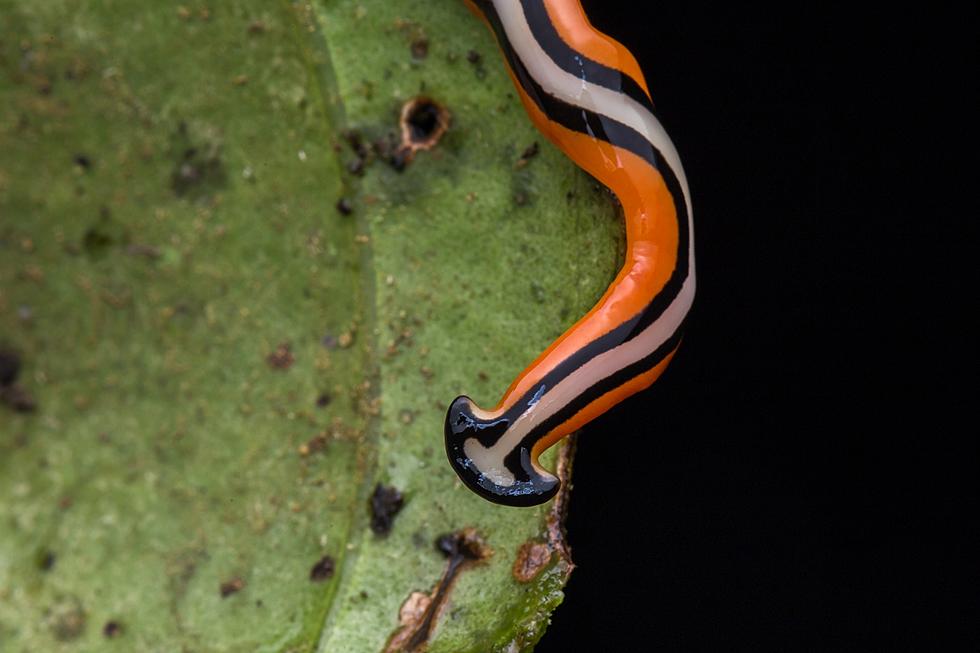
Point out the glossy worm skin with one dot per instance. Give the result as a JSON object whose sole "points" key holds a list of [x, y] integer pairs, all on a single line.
{"points": [[586, 93]]}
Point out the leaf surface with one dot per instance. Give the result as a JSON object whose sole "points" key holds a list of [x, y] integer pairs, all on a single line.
{"points": [[225, 366]]}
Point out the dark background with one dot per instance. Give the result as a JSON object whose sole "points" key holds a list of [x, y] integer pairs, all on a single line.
{"points": [[790, 482]]}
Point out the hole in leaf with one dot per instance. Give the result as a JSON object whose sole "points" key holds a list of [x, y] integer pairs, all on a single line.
{"points": [[423, 122]]}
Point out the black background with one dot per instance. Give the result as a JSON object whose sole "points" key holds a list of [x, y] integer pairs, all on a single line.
{"points": [[786, 484]]}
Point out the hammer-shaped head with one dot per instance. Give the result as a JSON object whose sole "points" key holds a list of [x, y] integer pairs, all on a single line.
{"points": [[494, 460]]}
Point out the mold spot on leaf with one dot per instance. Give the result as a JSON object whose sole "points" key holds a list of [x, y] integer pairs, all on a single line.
{"points": [[45, 559], [95, 242], [12, 394], [198, 168], [344, 206], [112, 629], [322, 570], [476, 59], [9, 366], [386, 502], [466, 544], [418, 41]]}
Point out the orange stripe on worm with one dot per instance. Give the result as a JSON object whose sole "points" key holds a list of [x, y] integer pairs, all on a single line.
{"points": [[573, 25], [651, 236], [585, 92]]}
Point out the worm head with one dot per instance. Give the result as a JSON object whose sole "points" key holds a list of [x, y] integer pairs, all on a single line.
{"points": [[483, 451]]}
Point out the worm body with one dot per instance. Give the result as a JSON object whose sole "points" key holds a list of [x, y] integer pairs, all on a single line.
{"points": [[586, 93]]}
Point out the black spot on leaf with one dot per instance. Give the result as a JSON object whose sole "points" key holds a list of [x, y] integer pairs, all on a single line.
{"points": [[386, 502]]}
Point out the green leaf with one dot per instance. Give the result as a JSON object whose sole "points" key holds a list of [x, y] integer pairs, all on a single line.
{"points": [[224, 366]]}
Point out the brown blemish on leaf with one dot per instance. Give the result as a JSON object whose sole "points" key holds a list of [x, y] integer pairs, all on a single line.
{"points": [[529, 153], [346, 339], [423, 122], [282, 358], [420, 48], [532, 557], [112, 629], [232, 586], [366, 401], [418, 41], [386, 502], [315, 444], [322, 570], [420, 612]]}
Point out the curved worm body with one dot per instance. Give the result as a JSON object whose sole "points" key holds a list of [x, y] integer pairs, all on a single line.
{"points": [[586, 93]]}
